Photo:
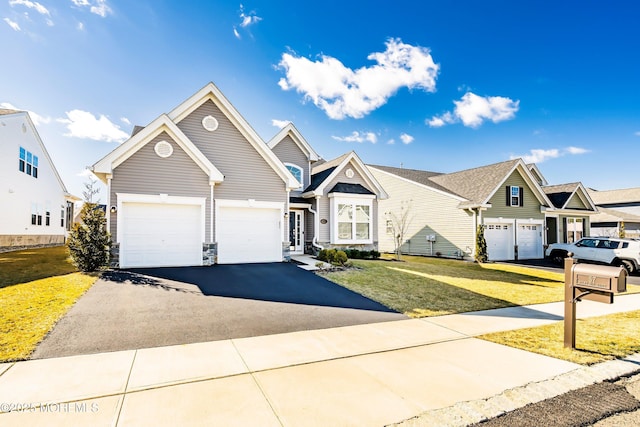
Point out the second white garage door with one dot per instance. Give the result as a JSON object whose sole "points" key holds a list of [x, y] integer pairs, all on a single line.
{"points": [[499, 239], [249, 234], [529, 241]]}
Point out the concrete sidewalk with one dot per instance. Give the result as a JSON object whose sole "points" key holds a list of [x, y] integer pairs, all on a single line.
{"points": [[373, 374]]}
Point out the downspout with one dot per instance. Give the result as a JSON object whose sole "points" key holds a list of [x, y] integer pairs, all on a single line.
{"points": [[108, 213], [316, 226]]}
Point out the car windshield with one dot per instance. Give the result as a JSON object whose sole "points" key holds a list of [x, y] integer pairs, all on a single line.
{"points": [[589, 243]]}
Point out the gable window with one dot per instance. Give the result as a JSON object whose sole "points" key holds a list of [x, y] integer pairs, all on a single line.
{"points": [[352, 219], [295, 170], [28, 163], [514, 195]]}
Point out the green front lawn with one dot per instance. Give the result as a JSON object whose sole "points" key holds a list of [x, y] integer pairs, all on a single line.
{"points": [[597, 338], [422, 287], [37, 288]]}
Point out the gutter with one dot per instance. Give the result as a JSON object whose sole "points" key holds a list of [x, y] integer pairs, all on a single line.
{"points": [[316, 226]]}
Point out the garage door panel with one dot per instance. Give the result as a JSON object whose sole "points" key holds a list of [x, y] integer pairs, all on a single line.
{"points": [[499, 238], [161, 235], [529, 241], [247, 235]]}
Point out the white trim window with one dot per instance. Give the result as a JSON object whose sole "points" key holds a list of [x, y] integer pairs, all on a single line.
{"points": [[352, 219], [296, 171], [515, 195]]}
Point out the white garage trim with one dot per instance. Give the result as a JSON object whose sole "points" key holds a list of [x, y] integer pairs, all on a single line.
{"points": [[510, 250], [539, 253], [159, 198]]}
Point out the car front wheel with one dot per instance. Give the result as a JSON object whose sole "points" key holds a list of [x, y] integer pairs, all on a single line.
{"points": [[557, 257], [628, 265]]}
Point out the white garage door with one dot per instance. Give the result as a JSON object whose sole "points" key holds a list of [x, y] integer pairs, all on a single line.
{"points": [[248, 235], [529, 237], [160, 235], [499, 239]]}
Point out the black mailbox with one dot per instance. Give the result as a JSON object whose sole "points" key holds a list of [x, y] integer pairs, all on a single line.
{"points": [[599, 278]]}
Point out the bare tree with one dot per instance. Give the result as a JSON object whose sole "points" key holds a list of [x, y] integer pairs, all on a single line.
{"points": [[90, 190], [399, 223]]}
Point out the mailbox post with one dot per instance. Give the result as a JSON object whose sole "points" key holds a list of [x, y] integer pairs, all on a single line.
{"points": [[591, 282]]}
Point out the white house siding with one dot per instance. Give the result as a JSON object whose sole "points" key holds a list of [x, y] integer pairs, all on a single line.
{"points": [[289, 152], [20, 193], [432, 212], [247, 175], [147, 173]]}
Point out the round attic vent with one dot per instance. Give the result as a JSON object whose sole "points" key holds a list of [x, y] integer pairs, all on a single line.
{"points": [[349, 173], [163, 149], [210, 123]]}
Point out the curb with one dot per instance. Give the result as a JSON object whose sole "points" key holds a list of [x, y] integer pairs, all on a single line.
{"points": [[463, 414]]}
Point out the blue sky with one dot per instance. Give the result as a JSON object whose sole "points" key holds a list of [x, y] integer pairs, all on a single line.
{"points": [[431, 85]]}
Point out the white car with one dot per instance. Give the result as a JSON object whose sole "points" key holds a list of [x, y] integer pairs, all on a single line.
{"points": [[600, 250]]}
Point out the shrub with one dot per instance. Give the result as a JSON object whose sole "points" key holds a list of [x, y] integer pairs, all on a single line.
{"points": [[322, 255], [374, 254], [481, 245], [89, 241], [339, 257]]}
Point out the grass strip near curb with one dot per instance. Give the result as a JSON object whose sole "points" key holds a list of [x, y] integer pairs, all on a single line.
{"points": [[597, 338], [28, 311]]}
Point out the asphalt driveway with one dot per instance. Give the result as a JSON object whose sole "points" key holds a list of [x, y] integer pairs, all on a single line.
{"points": [[144, 308]]}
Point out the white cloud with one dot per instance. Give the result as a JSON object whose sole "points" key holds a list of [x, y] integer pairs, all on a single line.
{"points": [[391, 141], [31, 5], [125, 120], [472, 110], [36, 118], [80, 26], [83, 124], [279, 123], [86, 173], [97, 7], [637, 133], [342, 92], [540, 155], [576, 150], [12, 24], [406, 138], [358, 137], [247, 19]]}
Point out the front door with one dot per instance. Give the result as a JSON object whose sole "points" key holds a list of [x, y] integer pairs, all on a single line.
{"points": [[296, 231]]}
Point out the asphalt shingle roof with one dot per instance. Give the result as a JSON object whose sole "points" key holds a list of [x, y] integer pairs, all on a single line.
{"points": [[625, 195], [5, 111], [343, 187], [559, 194]]}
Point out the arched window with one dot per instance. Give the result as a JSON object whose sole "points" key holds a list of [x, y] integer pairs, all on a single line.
{"points": [[296, 171]]}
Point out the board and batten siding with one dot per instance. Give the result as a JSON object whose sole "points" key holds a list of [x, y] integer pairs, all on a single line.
{"points": [[289, 152], [432, 212], [500, 209], [247, 175], [325, 230], [147, 173]]}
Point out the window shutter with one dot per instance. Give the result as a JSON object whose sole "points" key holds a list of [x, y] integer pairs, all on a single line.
{"points": [[508, 195], [521, 196]]}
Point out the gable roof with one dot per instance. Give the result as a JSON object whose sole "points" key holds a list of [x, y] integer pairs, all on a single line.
{"points": [[475, 186], [624, 195], [210, 92], [168, 123], [344, 187], [297, 137], [536, 173], [27, 116], [561, 194], [104, 167], [613, 215], [325, 173]]}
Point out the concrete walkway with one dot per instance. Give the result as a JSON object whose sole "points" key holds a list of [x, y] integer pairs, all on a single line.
{"points": [[373, 375]]}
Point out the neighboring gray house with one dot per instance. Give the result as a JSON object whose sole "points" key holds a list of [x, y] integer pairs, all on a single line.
{"points": [[199, 186], [617, 207], [508, 198]]}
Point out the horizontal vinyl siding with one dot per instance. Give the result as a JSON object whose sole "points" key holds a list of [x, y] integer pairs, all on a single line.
{"points": [[576, 203], [499, 208], [323, 211], [147, 173], [431, 213], [247, 175], [289, 152], [341, 177], [309, 224]]}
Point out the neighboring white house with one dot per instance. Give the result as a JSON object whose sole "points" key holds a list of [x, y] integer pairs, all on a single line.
{"points": [[36, 206]]}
